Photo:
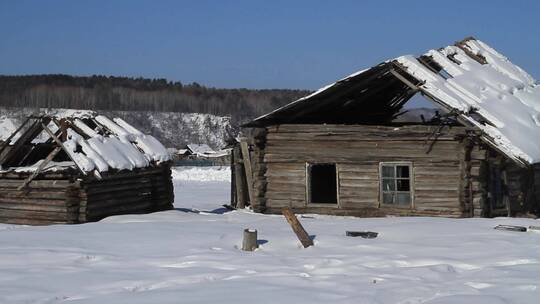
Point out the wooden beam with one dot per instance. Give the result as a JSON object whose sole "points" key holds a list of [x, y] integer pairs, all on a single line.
{"points": [[8, 140], [240, 184], [59, 142], [40, 167], [247, 168], [26, 137], [300, 232]]}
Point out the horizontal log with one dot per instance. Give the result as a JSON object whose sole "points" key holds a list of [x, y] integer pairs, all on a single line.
{"points": [[40, 207], [286, 195], [352, 158], [361, 176], [36, 201], [37, 184], [306, 128], [35, 194], [163, 169], [359, 183], [33, 221], [39, 215]]}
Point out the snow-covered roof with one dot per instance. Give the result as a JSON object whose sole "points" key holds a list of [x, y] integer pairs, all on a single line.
{"points": [[494, 95], [95, 142], [470, 78]]}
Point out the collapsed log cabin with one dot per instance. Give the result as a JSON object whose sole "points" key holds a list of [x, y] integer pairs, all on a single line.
{"points": [[343, 150], [80, 167]]}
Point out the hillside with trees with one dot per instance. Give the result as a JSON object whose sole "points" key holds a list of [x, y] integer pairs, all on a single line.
{"points": [[139, 94]]}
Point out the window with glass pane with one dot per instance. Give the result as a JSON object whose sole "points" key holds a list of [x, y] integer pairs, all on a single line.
{"points": [[396, 184]]}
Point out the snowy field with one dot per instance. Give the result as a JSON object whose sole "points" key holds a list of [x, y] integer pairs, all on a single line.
{"points": [[191, 255]]}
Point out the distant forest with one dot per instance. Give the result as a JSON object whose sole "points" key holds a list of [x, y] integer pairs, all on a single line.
{"points": [[139, 94]]}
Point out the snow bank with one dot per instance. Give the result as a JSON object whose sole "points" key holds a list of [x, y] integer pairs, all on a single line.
{"points": [[202, 174], [193, 256]]}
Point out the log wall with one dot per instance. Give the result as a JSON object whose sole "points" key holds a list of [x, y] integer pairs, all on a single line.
{"points": [[63, 198], [140, 191], [439, 167]]}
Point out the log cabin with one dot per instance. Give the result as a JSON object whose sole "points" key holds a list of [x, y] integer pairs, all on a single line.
{"points": [[77, 167], [344, 150]]}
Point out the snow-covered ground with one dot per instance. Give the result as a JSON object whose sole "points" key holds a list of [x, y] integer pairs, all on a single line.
{"points": [[191, 255]]}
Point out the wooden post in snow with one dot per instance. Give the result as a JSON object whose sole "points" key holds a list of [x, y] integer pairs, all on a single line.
{"points": [[300, 232], [249, 242]]}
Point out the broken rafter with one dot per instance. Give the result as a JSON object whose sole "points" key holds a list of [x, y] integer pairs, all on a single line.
{"points": [[8, 140], [59, 142], [48, 159]]}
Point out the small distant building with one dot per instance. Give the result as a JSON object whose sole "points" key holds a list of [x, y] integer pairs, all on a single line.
{"points": [[200, 149], [201, 155], [342, 151], [79, 168]]}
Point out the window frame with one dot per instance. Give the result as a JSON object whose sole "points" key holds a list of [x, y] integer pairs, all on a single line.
{"points": [[411, 183], [308, 182]]}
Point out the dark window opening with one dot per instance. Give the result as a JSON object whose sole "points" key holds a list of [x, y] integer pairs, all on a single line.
{"points": [[322, 184], [396, 184]]}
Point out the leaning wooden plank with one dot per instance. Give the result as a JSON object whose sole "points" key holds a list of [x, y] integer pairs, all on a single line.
{"points": [[239, 181], [7, 141], [297, 227], [25, 137], [40, 167], [247, 167], [59, 142]]}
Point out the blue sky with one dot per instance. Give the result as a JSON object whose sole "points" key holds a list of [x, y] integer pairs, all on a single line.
{"points": [[253, 44]]}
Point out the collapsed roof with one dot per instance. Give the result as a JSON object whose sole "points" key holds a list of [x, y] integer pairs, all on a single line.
{"points": [[81, 140], [470, 80]]}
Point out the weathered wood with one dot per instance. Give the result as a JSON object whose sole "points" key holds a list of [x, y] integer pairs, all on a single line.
{"points": [[241, 187], [40, 167], [249, 242], [61, 144], [297, 227], [234, 199], [7, 141], [247, 167]]}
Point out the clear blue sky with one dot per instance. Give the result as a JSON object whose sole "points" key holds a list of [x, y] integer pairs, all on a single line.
{"points": [[253, 44]]}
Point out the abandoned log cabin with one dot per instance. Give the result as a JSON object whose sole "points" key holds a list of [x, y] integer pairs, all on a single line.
{"points": [[347, 149], [79, 167]]}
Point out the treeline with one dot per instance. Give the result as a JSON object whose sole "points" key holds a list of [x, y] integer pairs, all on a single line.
{"points": [[139, 94]]}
